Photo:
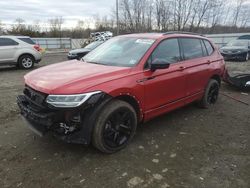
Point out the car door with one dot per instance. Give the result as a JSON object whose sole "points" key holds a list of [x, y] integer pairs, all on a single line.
{"points": [[164, 88], [196, 64], [8, 49]]}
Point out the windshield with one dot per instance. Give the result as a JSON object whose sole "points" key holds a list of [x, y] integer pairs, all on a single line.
{"points": [[93, 45], [238, 43], [119, 51]]}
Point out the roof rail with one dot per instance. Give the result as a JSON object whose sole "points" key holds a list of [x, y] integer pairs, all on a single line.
{"points": [[181, 32]]}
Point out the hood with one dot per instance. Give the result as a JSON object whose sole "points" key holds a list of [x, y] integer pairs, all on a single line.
{"points": [[72, 77], [234, 48], [81, 50]]}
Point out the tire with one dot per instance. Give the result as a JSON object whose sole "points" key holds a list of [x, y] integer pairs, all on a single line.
{"points": [[211, 94], [115, 127], [26, 61]]}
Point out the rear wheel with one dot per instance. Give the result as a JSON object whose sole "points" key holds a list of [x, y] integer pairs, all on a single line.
{"points": [[115, 127], [26, 62], [211, 94]]}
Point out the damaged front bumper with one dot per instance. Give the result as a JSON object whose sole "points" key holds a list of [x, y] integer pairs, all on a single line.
{"points": [[38, 122], [70, 125]]}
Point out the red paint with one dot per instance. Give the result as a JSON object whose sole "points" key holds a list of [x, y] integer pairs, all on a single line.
{"points": [[181, 83]]}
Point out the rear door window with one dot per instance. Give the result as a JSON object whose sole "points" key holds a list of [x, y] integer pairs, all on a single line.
{"points": [[191, 48], [27, 40], [209, 47], [7, 42]]}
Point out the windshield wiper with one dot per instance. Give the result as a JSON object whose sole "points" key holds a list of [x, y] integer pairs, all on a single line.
{"points": [[98, 63]]}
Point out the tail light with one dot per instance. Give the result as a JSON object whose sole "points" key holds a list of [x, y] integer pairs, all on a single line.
{"points": [[37, 48]]}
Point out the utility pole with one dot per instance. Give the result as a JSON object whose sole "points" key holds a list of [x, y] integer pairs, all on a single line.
{"points": [[117, 17]]}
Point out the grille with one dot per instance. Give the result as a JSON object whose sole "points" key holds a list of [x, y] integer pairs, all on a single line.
{"points": [[35, 97]]}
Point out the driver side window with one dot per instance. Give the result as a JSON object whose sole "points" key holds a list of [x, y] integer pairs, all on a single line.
{"points": [[168, 50]]}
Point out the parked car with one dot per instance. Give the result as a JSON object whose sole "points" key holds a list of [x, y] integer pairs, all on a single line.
{"points": [[20, 51], [79, 53], [244, 37], [237, 50], [127, 80]]}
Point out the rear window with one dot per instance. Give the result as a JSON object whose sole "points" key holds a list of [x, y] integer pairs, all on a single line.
{"points": [[209, 47], [27, 40], [191, 48], [7, 42]]}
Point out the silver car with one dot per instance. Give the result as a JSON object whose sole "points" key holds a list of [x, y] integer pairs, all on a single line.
{"points": [[20, 51]]}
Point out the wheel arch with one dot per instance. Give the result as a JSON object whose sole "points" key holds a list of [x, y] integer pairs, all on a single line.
{"points": [[217, 78], [25, 54], [134, 103]]}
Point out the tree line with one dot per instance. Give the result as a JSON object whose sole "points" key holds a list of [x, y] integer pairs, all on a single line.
{"points": [[205, 16], [202, 16]]}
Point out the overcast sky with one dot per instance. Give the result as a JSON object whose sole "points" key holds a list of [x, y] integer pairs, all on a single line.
{"points": [[70, 10]]}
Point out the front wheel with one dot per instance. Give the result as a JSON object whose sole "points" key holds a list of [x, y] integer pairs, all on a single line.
{"points": [[26, 62], [115, 127], [211, 94]]}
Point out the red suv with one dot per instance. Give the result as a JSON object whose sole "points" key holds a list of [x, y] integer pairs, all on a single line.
{"points": [[125, 81]]}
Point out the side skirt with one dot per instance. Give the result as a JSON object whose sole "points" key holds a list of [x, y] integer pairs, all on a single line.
{"points": [[171, 106]]}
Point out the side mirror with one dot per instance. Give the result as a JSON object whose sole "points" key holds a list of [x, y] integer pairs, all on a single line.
{"points": [[159, 64]]}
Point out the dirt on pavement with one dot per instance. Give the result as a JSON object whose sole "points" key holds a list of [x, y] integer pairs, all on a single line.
{"points": [[190, 147]]}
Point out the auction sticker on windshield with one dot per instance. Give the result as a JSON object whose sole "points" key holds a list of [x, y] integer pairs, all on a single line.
{"points": [[145, 41]]}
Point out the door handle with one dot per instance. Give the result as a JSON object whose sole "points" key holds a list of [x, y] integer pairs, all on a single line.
{"points": [[181, 68], [145, 79], [150, 78]]}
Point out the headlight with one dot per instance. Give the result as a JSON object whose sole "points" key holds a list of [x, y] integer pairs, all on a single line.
{"points": [[69, 101]]}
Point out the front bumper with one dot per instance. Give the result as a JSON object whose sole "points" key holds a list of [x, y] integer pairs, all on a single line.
{"points": [[69, 125], [71, 57], [56, 121], [38, 60], [40, 122]]}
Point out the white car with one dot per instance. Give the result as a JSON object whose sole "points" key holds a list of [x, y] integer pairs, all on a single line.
{"points": [[21, 51]]}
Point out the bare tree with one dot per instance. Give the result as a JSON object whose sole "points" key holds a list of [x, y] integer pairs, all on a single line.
{"points": [[215, 14], [56, 26], [19, 25], [237, 11], [244, 16], [162, 14]]}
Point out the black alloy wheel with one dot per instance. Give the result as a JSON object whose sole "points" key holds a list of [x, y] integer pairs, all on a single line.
{"points": [[115, 126], [213, 94], [118, 128]]}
